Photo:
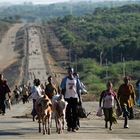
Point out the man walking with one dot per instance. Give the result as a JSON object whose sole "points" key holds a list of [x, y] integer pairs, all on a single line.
{"points": [[4, 89], [70, 89]]}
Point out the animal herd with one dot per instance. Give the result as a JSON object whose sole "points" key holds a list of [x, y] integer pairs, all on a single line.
{"points": [[47, 109]]}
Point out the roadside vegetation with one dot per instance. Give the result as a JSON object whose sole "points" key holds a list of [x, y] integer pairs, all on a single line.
{"points": [[106, 44], [29, 12]]}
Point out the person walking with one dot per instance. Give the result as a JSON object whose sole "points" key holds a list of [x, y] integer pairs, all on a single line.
{"points": [[138, 89], [25, 94], [70, 88], [16, 94], [83, 87], [126, 96], [50, 89], [4, 90], [36, 93], [109, 97]]}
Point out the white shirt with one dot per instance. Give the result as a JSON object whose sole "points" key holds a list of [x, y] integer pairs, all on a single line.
{"points": [[36, 92], [108, 99], [71, 90]]}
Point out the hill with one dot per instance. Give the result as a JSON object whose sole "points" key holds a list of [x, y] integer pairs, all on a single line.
{"points": [[102, 46], [30, 12]]}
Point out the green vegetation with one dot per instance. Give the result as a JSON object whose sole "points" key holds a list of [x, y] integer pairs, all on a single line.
{"points": [[30, 12], [95, 76], [114, 32], [106, 42]]}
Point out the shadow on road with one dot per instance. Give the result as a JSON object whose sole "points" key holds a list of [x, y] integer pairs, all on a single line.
{"points": [[2, 133]]}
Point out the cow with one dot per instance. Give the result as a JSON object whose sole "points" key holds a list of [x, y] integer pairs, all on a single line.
{"points": [[43, 107], [59, 109]]}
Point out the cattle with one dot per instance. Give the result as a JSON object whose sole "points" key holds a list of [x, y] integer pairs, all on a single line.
{"points": [[59, 109], [43, 107]]}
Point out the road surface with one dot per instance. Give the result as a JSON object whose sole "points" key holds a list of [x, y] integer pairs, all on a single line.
{"points": [[15, 125], [36, 64]]}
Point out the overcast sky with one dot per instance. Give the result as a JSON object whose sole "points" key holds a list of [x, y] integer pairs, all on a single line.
{"points": [[43, 1], [34, 1]]}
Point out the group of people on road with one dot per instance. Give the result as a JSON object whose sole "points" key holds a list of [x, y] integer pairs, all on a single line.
{"points": [[8, 96], [124, 98], [21, 93], [71, 88]]}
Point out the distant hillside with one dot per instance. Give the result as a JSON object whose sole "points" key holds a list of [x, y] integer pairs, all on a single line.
{"points": [[114, 32], [4, 26], [104, 45], [32, 12]]}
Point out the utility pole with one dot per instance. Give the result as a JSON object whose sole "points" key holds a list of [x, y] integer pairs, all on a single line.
{"points": [[112, 54], [101, 53], [132, 68], [70, 54], [70, 47], [76, 61], [106, 63], [124, 72]]}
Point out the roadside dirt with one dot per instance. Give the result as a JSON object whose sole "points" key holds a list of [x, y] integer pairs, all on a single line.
{"points": [[7, 54]]}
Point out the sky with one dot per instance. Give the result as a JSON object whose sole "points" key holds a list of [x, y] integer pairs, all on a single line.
{"points": [[34, 1], [42, 1]]}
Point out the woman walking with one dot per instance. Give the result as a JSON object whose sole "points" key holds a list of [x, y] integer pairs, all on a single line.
{"points": [[108, 97]]}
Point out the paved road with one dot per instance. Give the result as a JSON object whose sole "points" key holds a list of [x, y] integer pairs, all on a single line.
{"points": [[36, 66], [14, 126]]}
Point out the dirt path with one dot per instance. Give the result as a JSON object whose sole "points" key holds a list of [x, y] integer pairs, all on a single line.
{"points": [[7, 54]]}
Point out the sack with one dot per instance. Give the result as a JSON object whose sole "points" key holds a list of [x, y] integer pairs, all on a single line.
{"points": [[131, 113], [99, 112], [118, 111], [81, 112]]}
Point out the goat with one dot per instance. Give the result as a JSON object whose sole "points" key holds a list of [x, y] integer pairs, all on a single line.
{"points": [[43, 108], [59, 109]]}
